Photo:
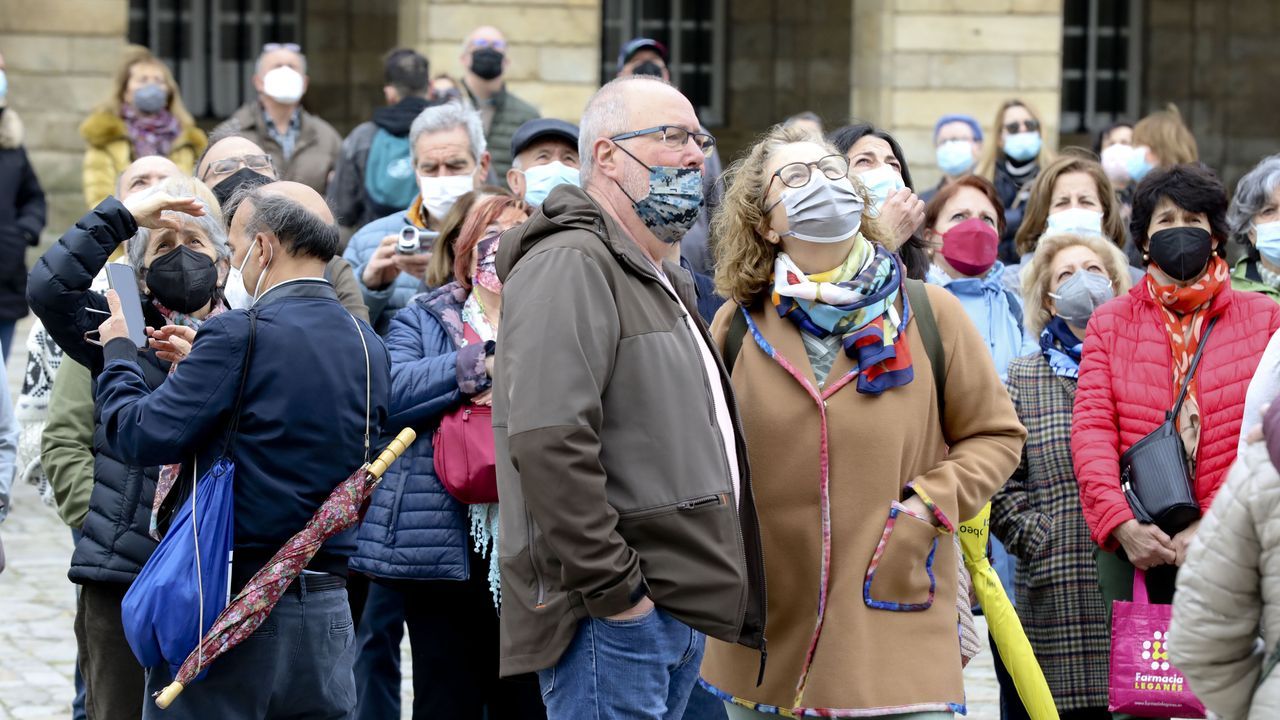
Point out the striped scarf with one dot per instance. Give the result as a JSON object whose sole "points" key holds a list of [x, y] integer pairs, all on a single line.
{"points": [[856, 302]]}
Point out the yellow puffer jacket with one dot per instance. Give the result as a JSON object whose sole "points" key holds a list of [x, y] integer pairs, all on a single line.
{"points": [[110, 151]]}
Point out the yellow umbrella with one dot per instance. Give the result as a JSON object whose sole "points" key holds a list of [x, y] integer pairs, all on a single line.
{"points": [[1002, 619]]}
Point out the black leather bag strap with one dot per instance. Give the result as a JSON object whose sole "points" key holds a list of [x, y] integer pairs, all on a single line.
{"points": [[244, 376], [733, 342], [932, 339], [1191, 371]]}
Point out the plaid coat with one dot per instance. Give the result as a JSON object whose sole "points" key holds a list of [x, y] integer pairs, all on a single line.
{"points": [[1037, 516]]}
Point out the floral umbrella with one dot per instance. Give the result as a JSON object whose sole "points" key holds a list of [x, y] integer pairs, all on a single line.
{"points": [[254, 603]]}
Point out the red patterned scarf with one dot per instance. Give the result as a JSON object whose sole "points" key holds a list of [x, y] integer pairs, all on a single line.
{"points": [[1184, 316]]}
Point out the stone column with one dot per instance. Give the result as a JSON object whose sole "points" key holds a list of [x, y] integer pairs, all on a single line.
{"points": [[915, 60], [61, 55]]}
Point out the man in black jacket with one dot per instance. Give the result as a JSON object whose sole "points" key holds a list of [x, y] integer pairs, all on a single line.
{"points": [[316, 385], [374, 176], [22, 215]]}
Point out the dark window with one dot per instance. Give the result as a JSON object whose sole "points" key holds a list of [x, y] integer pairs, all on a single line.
{"points": [[694, 33], [1099, 63], [211, 45]]}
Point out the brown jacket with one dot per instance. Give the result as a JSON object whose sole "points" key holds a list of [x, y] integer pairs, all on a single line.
{"points": [[613, 479], [889, 640], [314, 155]]}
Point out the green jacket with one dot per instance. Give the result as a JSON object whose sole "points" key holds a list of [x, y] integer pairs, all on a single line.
{"points": [[510, 112], [1240, 281], [66, 447]]}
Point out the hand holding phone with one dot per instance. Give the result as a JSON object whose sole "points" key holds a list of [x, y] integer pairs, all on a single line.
{"points": [[126, 308]]}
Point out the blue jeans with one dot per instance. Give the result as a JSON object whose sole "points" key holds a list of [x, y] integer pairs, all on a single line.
{"points": [[641, 669], [297, 664]]}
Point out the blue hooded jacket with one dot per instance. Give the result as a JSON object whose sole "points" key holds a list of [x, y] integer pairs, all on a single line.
{"points": [[995, 310]]}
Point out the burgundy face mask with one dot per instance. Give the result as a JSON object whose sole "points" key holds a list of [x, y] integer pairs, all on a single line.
{"points": [[971, 247]]}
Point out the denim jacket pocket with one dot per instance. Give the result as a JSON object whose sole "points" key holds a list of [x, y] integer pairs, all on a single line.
{"points": [[900, 576]]}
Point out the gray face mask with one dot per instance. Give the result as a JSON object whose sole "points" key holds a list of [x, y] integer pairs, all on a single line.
{"points": [[1080, 295], [150, 99], [823, 211]]}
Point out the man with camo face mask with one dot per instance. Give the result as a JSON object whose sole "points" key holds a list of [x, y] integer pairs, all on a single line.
{"points": [[614, 424]]}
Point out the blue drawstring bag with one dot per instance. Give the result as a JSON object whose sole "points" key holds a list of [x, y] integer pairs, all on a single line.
{"points": [[186, 583]]}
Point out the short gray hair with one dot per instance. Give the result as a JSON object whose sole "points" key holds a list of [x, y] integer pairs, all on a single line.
{"points": [[440, 118], [606, 115], [257, 65], [210, 223], [1253, 192]]}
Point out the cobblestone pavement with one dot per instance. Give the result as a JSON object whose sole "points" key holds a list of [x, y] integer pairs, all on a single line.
{"points": [[37, 607]]}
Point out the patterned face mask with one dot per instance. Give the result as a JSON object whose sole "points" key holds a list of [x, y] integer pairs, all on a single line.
{"points": [[487, 265], [673, 202]]}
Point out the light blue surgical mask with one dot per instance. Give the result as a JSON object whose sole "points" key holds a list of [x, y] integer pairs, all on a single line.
{"points": [[1075, 221], [1022, 146], [4, 85], [541, 179], [955, 157], [881, 183], [1137, 164], [1268, 241]]}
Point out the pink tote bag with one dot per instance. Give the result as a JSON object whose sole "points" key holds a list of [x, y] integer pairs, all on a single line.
{"points": [[1143, 683]]}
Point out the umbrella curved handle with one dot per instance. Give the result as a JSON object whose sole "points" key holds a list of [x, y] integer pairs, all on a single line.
{"points": [[168, 695], [392, 451]]}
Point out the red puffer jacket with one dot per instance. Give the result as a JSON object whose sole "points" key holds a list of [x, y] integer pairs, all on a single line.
{"points": [[1126, 387]]}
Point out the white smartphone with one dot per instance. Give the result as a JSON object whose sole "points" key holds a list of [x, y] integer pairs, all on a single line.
{"points": [[122, 279]]}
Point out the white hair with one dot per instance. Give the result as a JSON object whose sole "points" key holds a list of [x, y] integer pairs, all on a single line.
{"points": [[606, 115], [448, 116], [257, 65]]}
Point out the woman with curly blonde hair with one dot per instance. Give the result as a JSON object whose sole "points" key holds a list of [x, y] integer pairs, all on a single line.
{"points": [[832, 355], [1037, 514]]}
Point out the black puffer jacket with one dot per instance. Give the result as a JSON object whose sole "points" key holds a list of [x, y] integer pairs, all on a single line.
{"points": [[116, 543], [22, 215]]}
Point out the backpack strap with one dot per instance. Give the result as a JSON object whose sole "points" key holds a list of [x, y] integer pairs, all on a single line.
{"points": [[733, 343], [928, 326]]}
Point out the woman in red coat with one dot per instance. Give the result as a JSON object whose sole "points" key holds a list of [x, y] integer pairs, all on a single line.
{"points": [[1136, 355]]}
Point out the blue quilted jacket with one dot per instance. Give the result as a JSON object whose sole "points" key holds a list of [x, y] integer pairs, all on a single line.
{"points": [[415, 530]]}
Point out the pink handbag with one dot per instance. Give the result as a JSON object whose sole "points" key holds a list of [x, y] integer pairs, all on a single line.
{"points": [[464, 454], [1143, 683]]}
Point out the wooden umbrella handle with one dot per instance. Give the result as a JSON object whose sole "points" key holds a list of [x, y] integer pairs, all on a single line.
{"points": [[166, 697], [392, 451]]}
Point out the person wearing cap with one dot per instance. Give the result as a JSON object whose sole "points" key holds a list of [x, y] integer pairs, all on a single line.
{"points": [[451, 159], [544, 154], [957, 142], [484, 56], [374, 176], [303, 146], [646, 56]]}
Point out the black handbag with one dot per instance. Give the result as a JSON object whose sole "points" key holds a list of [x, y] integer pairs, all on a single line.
{"points": [[1153, 472]]}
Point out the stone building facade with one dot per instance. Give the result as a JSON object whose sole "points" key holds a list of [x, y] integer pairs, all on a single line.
{"points": [[748, 63]]}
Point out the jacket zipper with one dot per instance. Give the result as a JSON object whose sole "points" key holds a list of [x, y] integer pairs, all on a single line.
{"points": [[744, 481], [540, 601]]}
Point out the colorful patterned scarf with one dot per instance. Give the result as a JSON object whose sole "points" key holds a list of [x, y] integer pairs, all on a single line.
{"points": [[169, 473], [855, 301], [151, 134], [1061, 348], [1184, 314]]}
